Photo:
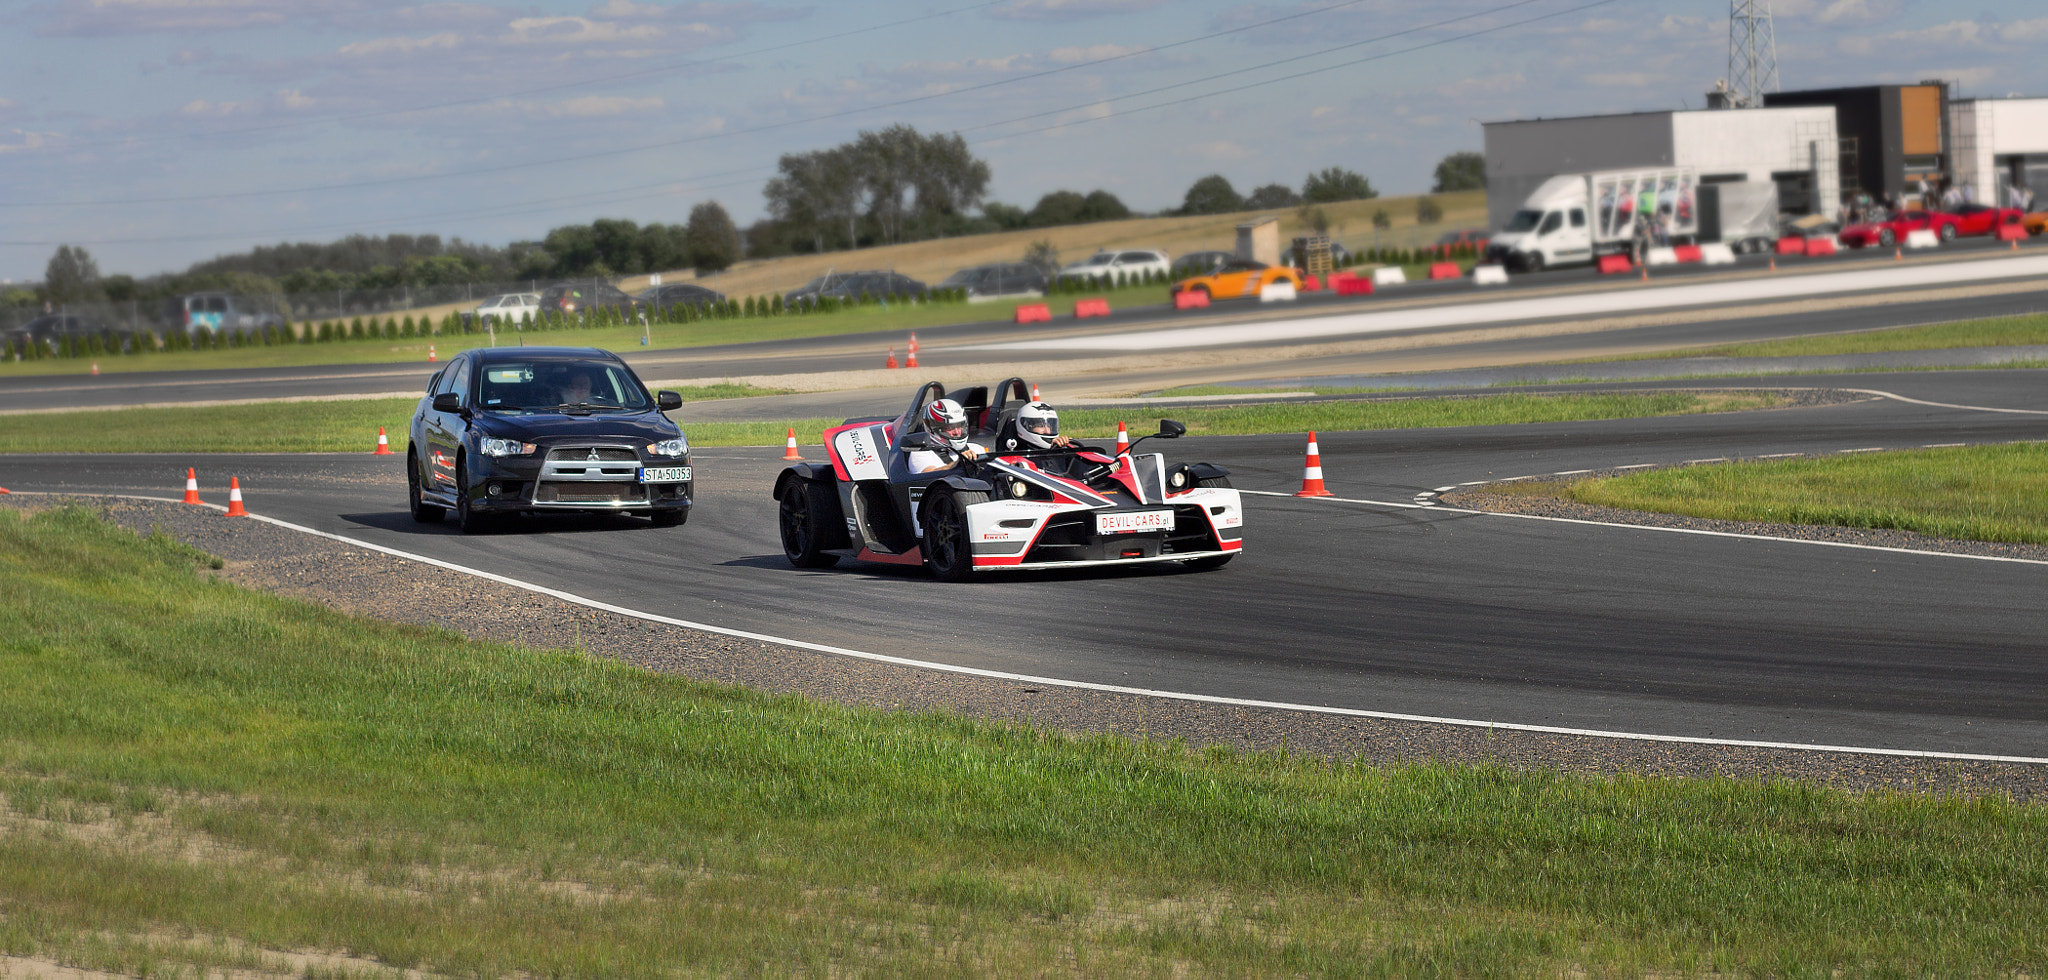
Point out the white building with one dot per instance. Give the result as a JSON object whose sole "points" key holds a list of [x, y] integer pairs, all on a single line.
{"points": [[1999, 143], [1795, 147]]}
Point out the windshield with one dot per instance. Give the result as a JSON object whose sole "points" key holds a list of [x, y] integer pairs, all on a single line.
{"points": [[547, 385], [1100, 258], [1524, 220]]}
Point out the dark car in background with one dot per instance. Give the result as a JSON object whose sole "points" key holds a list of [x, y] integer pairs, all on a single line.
{"points": [[678, 294], [579, 299], [50, 328], [510, 430], [852, 285], [997, 280]]}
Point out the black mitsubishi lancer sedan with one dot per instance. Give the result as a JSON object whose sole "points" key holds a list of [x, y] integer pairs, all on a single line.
{"points": [[506, 430]]}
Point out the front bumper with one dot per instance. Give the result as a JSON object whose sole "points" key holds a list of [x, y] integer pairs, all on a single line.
{"points": [[566, 478]]}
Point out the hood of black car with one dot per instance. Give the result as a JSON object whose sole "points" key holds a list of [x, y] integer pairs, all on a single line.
{"points": [[549, 427]]}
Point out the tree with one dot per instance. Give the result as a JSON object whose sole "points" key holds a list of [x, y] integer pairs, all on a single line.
{"points": [[1271, 196], [1211, 195], [1461, 171], [1044, 257], [1101, 205], [1336, 184], [714, 242], [1427, 211], [1007, 217], [72, 277], [1058, 208]]}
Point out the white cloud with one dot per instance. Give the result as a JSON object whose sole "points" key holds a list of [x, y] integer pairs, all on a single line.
{"points": [[1093, 52], [1222, 150], [400, 45], [574, 30], [109, 17], [28, 141], [2021, 31], [1067, 10], [595, 106]]}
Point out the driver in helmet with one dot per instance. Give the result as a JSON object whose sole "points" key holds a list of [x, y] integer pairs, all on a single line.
{"points": [[946, 423], [1038, 427]]}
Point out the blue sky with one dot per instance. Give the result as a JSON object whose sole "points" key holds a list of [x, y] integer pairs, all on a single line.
{"points": [[157, 133]]}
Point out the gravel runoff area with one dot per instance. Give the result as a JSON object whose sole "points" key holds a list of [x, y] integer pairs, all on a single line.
{"points": [[366, 583]]}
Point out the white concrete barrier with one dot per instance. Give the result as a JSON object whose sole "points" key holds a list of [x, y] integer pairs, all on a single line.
{"points": [[1717, 253], [1922, 238], [1388, 275], [1277, 292], [1489, 275], [1661, 255]]}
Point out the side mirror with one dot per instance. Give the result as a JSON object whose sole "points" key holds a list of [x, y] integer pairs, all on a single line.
{"points": [[1169, 429], [448, 401], [668, 401], [914, 440]]}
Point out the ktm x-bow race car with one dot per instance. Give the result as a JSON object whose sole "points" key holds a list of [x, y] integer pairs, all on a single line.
{"points": [[1015, 507]]}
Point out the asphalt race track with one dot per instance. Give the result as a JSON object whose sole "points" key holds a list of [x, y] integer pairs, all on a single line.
{"points": [[1369, 602]]}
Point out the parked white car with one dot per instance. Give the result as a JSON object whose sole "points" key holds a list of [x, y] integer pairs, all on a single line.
{"points": [[509, 308], [1130, 262]]}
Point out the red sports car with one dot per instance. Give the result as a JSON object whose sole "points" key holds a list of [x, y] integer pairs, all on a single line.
{"points": [[1983, 219], [1894, 229]]}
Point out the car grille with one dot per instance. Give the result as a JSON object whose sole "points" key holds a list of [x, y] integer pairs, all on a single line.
{"points": [[590, 493], [582, 454], [571, 477]]}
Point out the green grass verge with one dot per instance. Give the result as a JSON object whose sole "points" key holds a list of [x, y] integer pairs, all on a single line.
{"points": [[1187, 390], [1976, 493], [2010, 331], [192, 772], [351, 426], [703, 333]]}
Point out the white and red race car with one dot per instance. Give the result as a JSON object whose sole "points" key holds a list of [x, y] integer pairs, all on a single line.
{"points": [[1011, 509]]}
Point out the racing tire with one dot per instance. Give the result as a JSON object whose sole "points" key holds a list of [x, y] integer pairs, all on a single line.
{"points": [[797, 518], [467, 519], [669, 518], [1886, 238], [423, 512], [947, 548], [1948, 233]]}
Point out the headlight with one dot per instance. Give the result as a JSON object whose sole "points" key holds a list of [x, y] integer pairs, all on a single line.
{"points": [[1019, 489], [669, 447], [507, 447]]}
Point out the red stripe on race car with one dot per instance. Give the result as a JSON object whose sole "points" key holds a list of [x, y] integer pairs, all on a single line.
{"points": [[993, 562]]}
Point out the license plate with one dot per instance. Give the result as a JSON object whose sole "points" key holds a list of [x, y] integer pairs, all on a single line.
{"points": [[1129, 521], [664, 474]]}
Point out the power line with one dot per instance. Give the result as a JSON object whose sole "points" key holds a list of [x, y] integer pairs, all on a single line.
{"points": [[538, 90], [724, 134]]}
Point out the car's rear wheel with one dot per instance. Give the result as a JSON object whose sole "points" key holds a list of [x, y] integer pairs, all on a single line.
{"points": [[799, 514], [1948, 233], [423, 512], [947, 548], [1886, 238], [466, 517]]}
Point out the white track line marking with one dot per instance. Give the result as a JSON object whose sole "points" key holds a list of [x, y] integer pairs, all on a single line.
{"points": [[1710, 459], [1944, 445], [1866, 449], [1088, 686], [1972, 408]]}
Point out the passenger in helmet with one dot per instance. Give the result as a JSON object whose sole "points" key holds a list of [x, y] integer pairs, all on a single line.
{"points": [[945, 424], [1037, 427]]}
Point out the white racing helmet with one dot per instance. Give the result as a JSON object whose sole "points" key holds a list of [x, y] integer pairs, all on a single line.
{"points": [[1038, 424], [947, 423]]}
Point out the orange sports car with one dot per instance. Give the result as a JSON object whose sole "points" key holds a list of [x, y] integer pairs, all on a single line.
{"points": [[1237, 278], [2036, 223]]}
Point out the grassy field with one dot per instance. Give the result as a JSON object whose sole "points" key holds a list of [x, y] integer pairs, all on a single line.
{"points": [[698, 334], [1978, 493], [199, 778], [351, 426]]}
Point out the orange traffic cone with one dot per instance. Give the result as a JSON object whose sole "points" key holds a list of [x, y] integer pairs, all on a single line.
{"points": [[1646, 273], [430, 354], [790, 452], [910, 359], [383, 443], [892, 358], [235, 497], [95, 369], [1123, 440], [5, 490], [1774, 263], [1312, 472], [913, 343], [191, 486], [1898, 254], [1034, 394]]}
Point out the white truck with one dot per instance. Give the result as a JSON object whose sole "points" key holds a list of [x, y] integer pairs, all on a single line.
{"points": [[1573, 219]]}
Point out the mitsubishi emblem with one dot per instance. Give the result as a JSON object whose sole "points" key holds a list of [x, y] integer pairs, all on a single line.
{"points": [[593, 456]]}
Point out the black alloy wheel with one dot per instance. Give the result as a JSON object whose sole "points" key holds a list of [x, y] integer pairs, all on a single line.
{"points": [[1948, 233], [466, 518], [797, 515], [423, 512], [1885, 237], [947, 548]]}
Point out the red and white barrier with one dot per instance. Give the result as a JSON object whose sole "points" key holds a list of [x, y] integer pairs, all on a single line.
{"points": [[1389, 275], [1489, 275], [1277, 291], [1191, 299], [1096, 306], [1034, 313], [1445, 270], [1612, 264]]}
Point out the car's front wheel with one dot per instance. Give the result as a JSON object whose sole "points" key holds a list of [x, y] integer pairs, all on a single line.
{"points": [[799, 515], [1886, 238], [466, 517], [947, 548], [1948, 233], [423, 512]]}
